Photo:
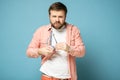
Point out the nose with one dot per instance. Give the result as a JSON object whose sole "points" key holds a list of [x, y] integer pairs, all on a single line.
{"points": [[57, 19]]}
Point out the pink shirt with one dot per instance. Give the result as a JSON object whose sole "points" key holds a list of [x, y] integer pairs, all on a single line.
{"points": [[73, 39]]}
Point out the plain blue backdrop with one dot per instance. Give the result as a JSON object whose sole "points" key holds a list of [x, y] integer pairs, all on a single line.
{"points": [[99, 24]]}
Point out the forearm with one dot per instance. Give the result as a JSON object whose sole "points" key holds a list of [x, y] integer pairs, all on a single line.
{"points": [[77, 51], [76, 44]]}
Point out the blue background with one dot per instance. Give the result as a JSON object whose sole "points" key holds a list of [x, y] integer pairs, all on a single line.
{"points": [[98, 21]]}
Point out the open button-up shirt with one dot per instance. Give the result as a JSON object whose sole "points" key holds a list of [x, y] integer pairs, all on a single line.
{"points": [[73, 39]]}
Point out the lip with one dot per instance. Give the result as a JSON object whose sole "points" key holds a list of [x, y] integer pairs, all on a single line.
{"points": [[57, 24]]}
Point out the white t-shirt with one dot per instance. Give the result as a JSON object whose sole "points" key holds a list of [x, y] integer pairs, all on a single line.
{"points": [[57, 65]]}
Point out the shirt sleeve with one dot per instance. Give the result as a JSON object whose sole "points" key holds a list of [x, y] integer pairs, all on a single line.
{"points": [[32, 50], [77, 47]]}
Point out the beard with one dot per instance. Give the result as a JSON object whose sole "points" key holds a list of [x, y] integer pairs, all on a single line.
{"points": [[57, 25]]}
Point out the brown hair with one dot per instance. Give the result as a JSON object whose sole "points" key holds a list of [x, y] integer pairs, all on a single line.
{"points": [[58, 6]]}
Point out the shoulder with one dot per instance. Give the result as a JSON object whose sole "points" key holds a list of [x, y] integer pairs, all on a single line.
{"points": [[43, 28], [72, 27]]}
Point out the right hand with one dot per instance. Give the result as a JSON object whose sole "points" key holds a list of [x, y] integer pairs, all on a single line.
{"points": [[62, 46], [47, 50]]}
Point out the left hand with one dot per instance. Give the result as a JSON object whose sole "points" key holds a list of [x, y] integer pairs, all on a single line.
{"points": [[62, 46]]}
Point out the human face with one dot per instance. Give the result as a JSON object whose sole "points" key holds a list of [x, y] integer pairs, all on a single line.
{"points": [[57, 18]]}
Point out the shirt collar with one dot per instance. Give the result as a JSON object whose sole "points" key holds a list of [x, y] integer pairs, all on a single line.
{"points": [[49, 27]]}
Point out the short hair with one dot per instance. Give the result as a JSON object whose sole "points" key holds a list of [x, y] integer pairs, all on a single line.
{"points": [[58, 6]]}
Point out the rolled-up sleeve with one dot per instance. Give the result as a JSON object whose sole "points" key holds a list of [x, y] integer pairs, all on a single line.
{"points": [[32, 50], [78, 49]]}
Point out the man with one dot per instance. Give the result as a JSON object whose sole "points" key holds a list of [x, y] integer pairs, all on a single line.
{"points": [[58, 44]]}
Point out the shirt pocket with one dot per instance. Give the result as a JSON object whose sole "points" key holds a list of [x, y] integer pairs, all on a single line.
{"points": [[43, 42]]}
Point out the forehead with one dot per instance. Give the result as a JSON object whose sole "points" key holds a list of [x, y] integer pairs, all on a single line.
{"points": [[55, 12]]}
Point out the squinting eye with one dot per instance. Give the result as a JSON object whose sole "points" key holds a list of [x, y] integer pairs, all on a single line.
{"points": [[54, 16], [60, 16]]}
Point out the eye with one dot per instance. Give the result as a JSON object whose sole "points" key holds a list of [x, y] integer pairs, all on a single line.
{"points": [[54, 16], [60, 16]]}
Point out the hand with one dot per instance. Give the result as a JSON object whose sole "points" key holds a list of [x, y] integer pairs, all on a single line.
{"points": [[62, 46], [46, 50]]}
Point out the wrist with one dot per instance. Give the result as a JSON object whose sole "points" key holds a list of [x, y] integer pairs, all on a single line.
{"points": [[68, 49], [39, 52]]}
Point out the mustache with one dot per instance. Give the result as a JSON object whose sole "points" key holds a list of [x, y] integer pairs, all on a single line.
{"points": [[57, 22]]}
